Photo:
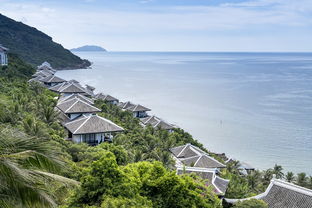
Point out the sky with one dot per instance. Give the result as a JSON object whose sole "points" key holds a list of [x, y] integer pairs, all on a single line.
{"points": [[171, 25]]}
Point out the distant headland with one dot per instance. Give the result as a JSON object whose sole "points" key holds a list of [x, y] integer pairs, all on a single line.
{"points": [[89, 48]]}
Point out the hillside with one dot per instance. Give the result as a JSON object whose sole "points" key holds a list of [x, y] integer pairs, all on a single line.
{"points": [[89, 48], [35, 47]]}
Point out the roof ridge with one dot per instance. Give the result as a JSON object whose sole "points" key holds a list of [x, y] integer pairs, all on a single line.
{"points": [[182, 159], [198, 160], [109, 121], [83, 117], [82, 124], [212, 158], [213, 183], [186, 145], [292, 187], [71, 105]]}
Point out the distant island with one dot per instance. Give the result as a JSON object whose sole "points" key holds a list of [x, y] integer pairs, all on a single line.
{"points": [[89, 48]]}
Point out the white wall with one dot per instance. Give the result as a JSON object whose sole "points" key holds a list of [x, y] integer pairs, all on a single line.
{"points": [[3, 58]]}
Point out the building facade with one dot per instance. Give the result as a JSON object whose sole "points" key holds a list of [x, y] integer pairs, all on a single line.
{"points": [[3, 56]]}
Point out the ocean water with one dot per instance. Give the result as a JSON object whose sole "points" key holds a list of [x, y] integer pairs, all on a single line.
{"points": [[255, 107]]}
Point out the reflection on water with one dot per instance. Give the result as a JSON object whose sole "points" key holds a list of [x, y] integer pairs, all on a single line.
{"points": [[255, 107]]}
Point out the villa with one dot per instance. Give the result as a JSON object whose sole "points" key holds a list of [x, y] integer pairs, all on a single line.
{"points": [[190, 155], [138, 111], [92, 130], [107, 98], [42, 74], [156, 123], [45, 65], [210, 176], [191, 159], [52, 80], [281, 194], [36, 79], [3, 56], [74, 108], [79, 96], [69, 88]]}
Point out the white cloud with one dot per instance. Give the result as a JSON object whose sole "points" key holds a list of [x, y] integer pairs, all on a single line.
{"points": [[163, 26]]}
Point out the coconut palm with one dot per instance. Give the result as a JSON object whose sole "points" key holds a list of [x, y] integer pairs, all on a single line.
{"points": [[26, 170], [301, 179], [290, 177], [49, 114], [278, 171]]}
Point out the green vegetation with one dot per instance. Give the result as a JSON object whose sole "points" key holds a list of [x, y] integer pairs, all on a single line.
{"points": [[252, 203], [38, 168], [35, 47]]}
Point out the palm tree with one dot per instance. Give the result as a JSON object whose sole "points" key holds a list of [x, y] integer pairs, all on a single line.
{"points": [[254, 179], [301, 179], [49, 114], [26, 170], [290, 177], [277, 171]]}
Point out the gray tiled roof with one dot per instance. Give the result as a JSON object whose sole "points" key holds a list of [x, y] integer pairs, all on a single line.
{"points": [[72, 88], [41, 73], [138, 108], [92, 124], [221, 183], [156, 122], [125, 105], [204, 175], [53, 79], [75, 105], [281, 194], [104, 97], [206, 161], [218, 184], [203, 161], [79, 96], [36, 79], [57, 87], [50, 71], [186, 150]]}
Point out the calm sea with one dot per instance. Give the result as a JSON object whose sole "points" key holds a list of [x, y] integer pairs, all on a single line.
{"points": [[255, 107]]}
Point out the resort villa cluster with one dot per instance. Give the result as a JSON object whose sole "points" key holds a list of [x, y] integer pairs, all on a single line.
{"points": [[79, 116]]}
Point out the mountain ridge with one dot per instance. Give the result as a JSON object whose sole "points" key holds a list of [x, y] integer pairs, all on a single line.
{"points": [[35, 47]]}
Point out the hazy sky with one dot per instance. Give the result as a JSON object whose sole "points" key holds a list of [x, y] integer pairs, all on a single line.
{"points": [[171, 25]]}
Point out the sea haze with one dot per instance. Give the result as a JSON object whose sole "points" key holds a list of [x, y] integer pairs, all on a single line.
{"points": [[255, 107]]}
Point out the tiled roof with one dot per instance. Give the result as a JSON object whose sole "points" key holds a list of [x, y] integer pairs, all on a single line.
{"points": [[72, 88], [203, 161], [41, 73], [186, 150], [137, 108], [125, 105], [79, 96], [57, 88], [50, 71], [75, 105], [104, 97], [92, 124], [219, 184], [3, 48], [53, 79], [281, 194], [156, 122], [36, 79]]}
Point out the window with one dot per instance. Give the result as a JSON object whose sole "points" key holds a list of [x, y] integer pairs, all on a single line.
{"points": [[89, 138]]}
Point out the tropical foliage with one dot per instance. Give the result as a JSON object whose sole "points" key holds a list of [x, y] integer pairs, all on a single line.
{"points": [[38, 168]]}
